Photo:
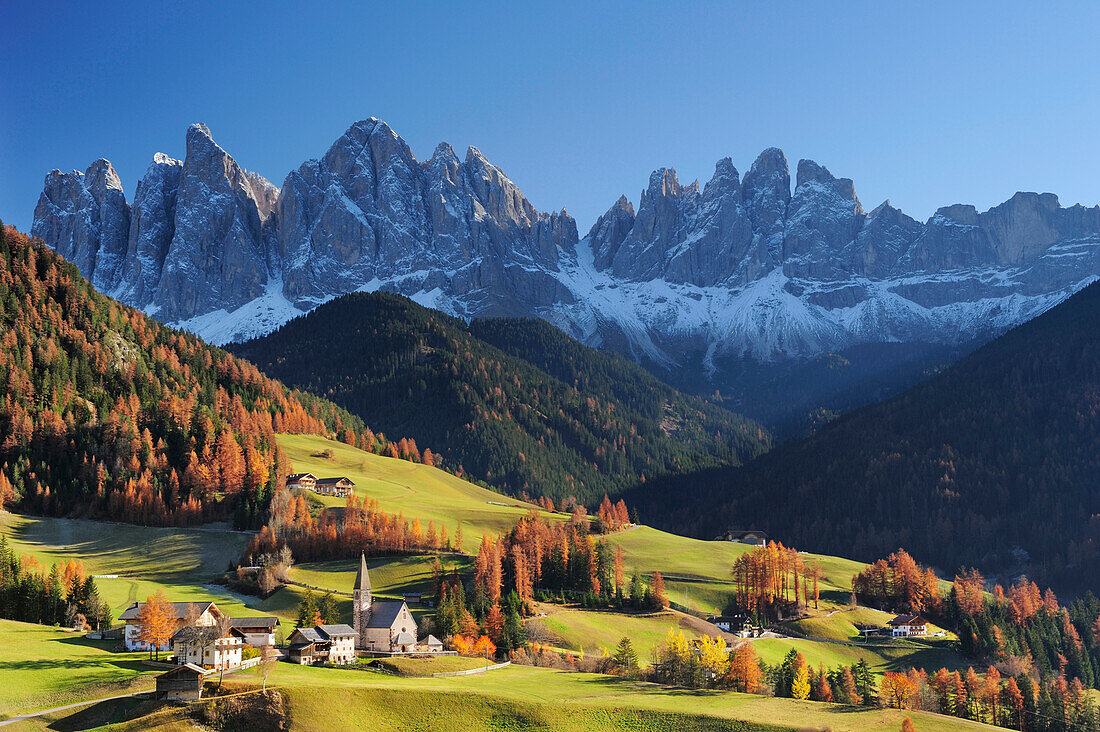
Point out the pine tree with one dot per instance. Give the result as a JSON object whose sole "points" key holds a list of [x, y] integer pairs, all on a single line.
{"points": [[307, 610], [626, 658]]}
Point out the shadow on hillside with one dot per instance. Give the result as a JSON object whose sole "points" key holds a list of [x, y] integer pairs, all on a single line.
{"points": [[47, 664], [164, 553], [106, 713]]}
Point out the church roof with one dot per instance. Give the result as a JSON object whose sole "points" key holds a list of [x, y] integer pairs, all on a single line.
{"points": [[404, 639], [362, 577], [384, 612]]}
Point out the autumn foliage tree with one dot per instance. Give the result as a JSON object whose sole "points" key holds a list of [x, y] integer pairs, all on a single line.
{"points": [[156, 623]]}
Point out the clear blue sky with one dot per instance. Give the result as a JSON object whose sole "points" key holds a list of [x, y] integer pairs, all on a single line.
{"points": [[967, 102]]}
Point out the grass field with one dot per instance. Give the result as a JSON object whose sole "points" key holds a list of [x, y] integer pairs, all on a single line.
{"points": [[428, 666], [42, 667], [883, 658], [697, 573], [597, 633]]}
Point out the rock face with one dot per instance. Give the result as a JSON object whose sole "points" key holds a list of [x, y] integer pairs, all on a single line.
{"points": [[85, 217], [744, 267]]}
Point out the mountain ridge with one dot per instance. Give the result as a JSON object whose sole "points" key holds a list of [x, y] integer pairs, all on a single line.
{"points": [[745, 267], [991, 463], [515, 401]]}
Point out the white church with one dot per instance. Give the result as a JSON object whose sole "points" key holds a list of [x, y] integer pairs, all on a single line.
{"points": [[385, 626]]}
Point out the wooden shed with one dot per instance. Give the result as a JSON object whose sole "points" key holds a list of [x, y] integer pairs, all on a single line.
{"points": [[183, 683]]}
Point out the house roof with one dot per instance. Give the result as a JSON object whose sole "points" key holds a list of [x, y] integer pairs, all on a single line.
{"points": [[741, 533], [180, 610], [908, 620], [384, 612], [266, 621], [311, 635], [404, 639], [299, 476], [431, 640], [362, 577], [337, 631], [197, 634], [334, 481], [183, 667]]}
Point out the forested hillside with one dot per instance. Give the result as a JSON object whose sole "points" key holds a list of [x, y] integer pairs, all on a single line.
{"points": [[996, 455], [545, 415], [107, 413]]}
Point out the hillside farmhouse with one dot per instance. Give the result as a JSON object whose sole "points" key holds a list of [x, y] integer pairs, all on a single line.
{"points": [[334, 486], [908, 626], [185, 613], [208, 646], [751, 536], [332, 643], [340, 486], [306, 481]]}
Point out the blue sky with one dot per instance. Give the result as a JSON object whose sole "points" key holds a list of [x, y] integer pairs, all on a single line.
{"points": [[577, 103]]}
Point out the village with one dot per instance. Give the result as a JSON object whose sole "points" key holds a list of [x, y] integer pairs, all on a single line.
{"points": [[201, 640]]}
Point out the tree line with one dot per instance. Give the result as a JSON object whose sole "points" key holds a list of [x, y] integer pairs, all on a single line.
{"points": [[62, 595]]}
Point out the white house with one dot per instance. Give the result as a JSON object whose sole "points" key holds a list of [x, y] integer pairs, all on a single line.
{"points": [[208, 647], [185, 613], [908, 626]]}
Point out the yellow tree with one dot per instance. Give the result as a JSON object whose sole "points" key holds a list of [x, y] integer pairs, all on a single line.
{"points": [[800, 685], [714, 656]]}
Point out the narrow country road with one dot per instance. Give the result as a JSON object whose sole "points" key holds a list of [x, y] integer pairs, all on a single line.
{"points": [[31, 715]]}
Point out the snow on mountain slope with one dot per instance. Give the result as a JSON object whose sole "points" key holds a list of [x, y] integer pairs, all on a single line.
{"points": [[742, 267]]}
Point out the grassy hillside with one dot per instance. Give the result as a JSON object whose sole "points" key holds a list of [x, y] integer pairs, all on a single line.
{"points": [[42, 667], [516, 402], [597, 633], [400, 487], [146, 559], [520, 697], [697, 572]]}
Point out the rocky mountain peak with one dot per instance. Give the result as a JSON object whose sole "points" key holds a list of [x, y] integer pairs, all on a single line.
{"points": [[101, 177]]}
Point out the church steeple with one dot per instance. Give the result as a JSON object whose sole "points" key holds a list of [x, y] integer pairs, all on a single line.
{"points": [[361, 601], [362, 577]]}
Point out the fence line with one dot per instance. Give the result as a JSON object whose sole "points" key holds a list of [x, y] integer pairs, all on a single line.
{"points": [[471, 671]]}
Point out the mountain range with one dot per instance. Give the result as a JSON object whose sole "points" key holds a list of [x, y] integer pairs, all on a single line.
{"points": [[743, 267]]}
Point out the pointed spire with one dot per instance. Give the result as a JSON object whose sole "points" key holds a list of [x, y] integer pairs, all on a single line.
{"points": [[362, 577]]}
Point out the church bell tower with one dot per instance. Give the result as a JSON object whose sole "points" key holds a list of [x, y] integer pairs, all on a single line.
{"points": [[361, 601]]}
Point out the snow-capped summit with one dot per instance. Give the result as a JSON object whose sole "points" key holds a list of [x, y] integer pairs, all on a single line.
{"points": [[744, 266]]}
